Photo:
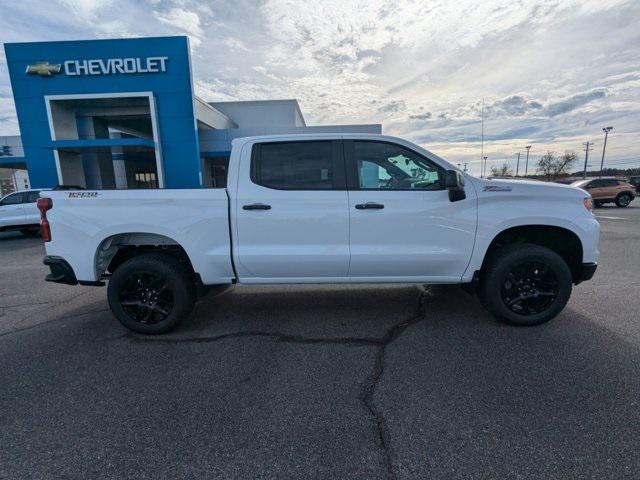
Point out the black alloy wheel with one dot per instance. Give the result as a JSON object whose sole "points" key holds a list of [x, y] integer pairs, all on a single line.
{"points": [[529, 288], [525, 284], [146, 298], [152, 292]]}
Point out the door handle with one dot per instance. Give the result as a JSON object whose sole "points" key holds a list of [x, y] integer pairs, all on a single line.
{"points": [[369, 205], [256, 206]]}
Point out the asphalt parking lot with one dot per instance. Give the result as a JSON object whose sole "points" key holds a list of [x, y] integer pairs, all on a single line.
{"points": [[322, 382]]}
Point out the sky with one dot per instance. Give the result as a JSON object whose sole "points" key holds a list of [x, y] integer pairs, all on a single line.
{"points": [[549, 73]]}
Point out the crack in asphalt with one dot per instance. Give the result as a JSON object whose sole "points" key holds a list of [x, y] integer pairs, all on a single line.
{"points": [[368, 392], [366, 396]]}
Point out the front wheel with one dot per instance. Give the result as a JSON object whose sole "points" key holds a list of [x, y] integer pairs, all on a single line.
{"points": [[623, 200], [151, 293], [525, 284]]}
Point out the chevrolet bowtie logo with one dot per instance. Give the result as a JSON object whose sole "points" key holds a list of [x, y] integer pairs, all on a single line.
{"points": [[44, 69]]}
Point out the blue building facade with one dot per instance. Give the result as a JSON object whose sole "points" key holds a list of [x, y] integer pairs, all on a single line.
{"points": [[122, 113]]}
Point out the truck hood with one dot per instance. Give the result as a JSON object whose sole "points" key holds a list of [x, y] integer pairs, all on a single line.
{"points": [[524, 188]]}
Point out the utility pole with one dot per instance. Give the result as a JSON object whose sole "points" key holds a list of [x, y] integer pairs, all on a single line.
{"points": [[485, 166], [588, 146], [526, 164], [482, 140], [518, 165], [606, 131]]}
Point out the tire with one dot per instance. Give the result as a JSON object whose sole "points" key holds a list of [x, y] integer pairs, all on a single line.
{"points": [[525, 284], [623, 200], [597, 204], [151, 293]]}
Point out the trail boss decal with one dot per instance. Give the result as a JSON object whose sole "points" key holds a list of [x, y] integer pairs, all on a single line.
{"points": [[495, 188], [83, 195]]}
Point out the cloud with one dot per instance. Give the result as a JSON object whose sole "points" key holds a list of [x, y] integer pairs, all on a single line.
{"points": [[393, 106], [574, 101], [421, 116], [183, 21]]}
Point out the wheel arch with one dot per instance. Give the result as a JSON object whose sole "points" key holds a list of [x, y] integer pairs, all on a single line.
{"points": [[562, 241], [120, 247]]}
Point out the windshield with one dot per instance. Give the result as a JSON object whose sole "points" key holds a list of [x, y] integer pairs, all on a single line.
{"points": [[580, 183]]}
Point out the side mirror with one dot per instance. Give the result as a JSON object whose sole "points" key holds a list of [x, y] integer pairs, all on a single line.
{"points": [[454, 182]]}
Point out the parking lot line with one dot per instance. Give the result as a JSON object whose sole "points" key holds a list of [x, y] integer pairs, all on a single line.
{"points": [[610, 218]]}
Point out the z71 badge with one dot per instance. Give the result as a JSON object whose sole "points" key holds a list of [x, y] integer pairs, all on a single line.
{"points": [[83, 195], [496, 188]]}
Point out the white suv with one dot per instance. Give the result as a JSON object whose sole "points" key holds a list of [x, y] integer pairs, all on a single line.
{"points": [[18, 211]]}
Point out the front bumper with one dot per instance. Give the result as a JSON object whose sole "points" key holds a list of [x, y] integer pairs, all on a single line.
{"points": [[61, 271], [587, 271]]}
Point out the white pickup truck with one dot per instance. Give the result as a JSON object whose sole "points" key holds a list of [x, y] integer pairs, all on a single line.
{"points": [[325, 209]]}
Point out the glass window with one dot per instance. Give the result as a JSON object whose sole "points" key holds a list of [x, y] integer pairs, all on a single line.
{"points": [[146, 180], [32, 197], [294, 165], [13, 199], [385, 166], [609, 182]]}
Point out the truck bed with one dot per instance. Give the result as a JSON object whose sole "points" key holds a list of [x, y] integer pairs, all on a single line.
{"points": [[196, 219]]}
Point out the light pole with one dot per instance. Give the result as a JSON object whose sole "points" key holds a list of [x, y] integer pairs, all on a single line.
{"points": [[518, 165], [526, 163], [588, 146], [606, 131], [485, 167]]}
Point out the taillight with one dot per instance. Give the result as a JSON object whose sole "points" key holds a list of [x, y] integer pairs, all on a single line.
{"points": [[45, 204], [588, 203]]}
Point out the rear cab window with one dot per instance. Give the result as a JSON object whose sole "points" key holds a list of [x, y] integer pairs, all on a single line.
{"points": [[298, 165]]}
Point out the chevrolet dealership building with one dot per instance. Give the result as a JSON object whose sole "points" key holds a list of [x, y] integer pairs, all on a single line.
{"points": [[107, 114]]}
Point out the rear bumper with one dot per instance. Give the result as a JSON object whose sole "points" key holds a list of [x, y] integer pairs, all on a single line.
{"points": [[588, 269], [61, 271]]}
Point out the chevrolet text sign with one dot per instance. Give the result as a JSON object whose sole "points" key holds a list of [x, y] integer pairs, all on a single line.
{"points": [[101, 67], [116, 65]]}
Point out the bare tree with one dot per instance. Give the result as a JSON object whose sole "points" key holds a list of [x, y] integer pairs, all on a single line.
{"points": [[503, 170], [552, 166]]}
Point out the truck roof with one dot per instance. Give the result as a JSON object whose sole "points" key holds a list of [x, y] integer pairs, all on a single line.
{"points": [[347, 136]]}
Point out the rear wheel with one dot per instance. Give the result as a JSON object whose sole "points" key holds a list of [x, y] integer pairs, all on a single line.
{"points": [[151, 293], [623, 200], [525, 284]]}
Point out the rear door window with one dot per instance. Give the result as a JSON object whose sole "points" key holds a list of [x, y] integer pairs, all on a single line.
{"points": [[303, 165], [32, 197]]}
